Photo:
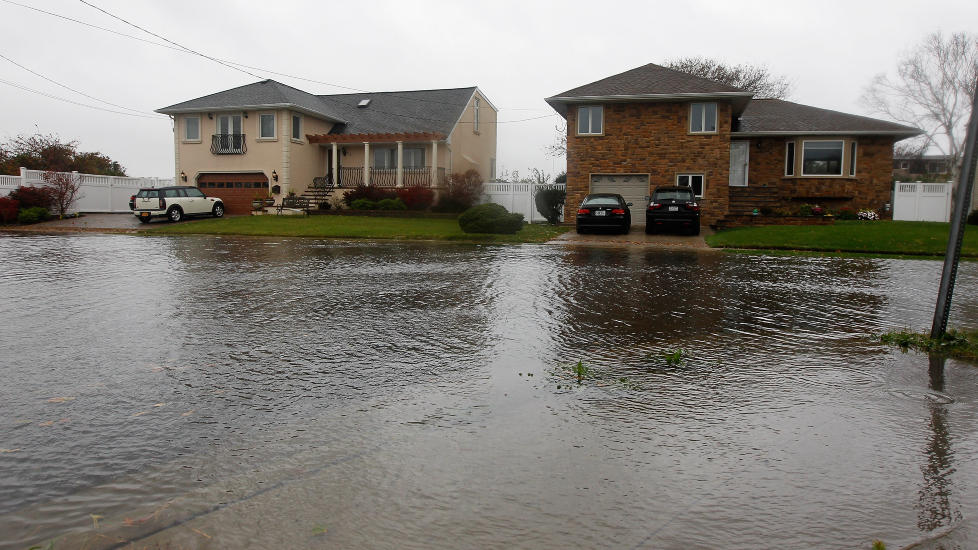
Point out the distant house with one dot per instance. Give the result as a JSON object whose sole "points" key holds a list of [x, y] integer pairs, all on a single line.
{"points": [[652, 126], [919, 167], [269, 137]]}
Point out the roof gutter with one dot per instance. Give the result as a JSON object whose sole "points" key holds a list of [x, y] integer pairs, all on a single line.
{"points": [[776, 133], [739, 99], [263, 107]]}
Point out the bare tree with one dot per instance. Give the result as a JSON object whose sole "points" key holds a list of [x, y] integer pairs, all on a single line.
{"points": [[753, 78], [932, 91], [559, 147], [64, 189]]}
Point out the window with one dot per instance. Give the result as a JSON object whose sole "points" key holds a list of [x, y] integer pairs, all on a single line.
{"points": [[703, 118], [266, 126], [821, 158], [296, 127], [590, 120], [492, 169], [191, 128], [852, 158], [789, 159], [904, 165], [385, 158], [195, 193], [695, 181], [475, 124]]}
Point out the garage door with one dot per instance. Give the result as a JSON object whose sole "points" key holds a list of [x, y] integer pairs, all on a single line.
{"points": [[236, 189], [634, 187]]}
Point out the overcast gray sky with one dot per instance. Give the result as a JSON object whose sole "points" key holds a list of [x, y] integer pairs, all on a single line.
{"points": [[517, 52]]}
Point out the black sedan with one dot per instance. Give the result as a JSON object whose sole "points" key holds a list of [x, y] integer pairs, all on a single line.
{"points": [[604, 211], [673, 207]]}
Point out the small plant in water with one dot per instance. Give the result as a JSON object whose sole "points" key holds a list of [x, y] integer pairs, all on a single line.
{"points": [[959, 344], [878, 545], [581, 371], [676, 358]]}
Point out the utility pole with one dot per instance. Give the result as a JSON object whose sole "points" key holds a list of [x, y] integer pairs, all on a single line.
{"points": [[966, 180]]}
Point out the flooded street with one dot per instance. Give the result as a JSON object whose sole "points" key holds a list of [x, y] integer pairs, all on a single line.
{"points": [[206, 392]]}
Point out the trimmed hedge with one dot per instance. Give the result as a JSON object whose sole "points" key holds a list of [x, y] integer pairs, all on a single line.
{"points": [[490, 218], [33, 214]]}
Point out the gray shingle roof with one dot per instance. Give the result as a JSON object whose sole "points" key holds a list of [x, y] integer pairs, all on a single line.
{"points": [[776, 116], [388, 112], [649, 79], [396, 112], [267, 93]]}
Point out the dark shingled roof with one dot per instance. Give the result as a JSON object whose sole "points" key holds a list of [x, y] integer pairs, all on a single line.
{"points": [[267, 93], [651, 82], [784, 117], [388, 112], [397, 112], [649, 79]]}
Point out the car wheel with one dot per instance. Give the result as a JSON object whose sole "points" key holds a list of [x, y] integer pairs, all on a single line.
{"points": [[174, 214], [218, 210], [142, 219], [626, 229], [695, 230], [581, 231], [650, 229]]}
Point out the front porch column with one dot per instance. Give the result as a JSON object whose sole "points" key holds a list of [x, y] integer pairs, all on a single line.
{"points": [[434, 163], [366, 163], [400, 164], [336, 165]]}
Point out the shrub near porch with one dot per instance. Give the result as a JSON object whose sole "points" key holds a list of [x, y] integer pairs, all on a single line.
{"points": [[875, 237]]}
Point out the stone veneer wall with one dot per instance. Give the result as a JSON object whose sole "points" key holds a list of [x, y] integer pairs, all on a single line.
{"points": [[869, 188], [654, 139]]}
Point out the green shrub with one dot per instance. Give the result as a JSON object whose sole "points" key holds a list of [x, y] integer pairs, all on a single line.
{"points": [[846, 214], [371, 193], [363, 204], [806, 210], [33, 214], [973, 217], [391, 204], [490, 218], [550, 203]]}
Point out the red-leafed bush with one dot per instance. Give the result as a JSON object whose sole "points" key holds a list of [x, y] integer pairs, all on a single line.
{"points": [[416, 197], [8, 209], [461, 192], [29, 197]]}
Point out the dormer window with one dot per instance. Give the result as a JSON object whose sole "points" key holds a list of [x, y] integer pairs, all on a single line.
{"points": [[363, 103], [590, 120], [703, 118]]}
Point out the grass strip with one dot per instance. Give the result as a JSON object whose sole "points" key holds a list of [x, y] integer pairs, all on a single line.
{"points": [[873, 237], [956, 344], [352, 227]]}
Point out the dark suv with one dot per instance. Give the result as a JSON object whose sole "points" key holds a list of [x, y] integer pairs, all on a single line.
{"points": [[673, 206]]}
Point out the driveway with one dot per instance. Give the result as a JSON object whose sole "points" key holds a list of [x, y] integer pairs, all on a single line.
{"points": [[107, 223], [637, 237]]}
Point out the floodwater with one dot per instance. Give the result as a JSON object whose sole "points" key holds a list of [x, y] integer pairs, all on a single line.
{"points": [[204, 392]]}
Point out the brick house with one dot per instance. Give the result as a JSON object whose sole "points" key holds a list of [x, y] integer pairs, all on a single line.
{"points": [[652, 126]]}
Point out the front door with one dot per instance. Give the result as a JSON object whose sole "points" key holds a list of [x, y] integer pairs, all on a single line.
{"points": [[739, 153]]}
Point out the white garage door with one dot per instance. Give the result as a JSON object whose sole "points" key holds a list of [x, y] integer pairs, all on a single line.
{"points": [[634, 187]]}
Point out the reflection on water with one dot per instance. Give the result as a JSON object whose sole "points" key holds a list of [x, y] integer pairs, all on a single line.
{"points": [[300, 393]]}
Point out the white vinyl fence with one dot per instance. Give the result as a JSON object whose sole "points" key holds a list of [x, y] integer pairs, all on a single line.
{"points": [[518, 197], [98, 193], [922, 202]]}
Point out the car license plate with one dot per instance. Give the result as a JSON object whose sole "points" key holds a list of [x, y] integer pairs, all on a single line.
{"points": [[674, 209], [144, 214], [600, 212]]}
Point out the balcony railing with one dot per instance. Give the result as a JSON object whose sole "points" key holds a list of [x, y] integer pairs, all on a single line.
{"points": [[228, 144]]}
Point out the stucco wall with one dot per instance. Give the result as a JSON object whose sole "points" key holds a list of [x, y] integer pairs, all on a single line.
{"points": [[471, 150]]}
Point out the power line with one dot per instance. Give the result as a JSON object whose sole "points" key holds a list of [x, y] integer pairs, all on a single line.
{"points": [[70, 88], [169, 41], [230, 62], [15, 85]]}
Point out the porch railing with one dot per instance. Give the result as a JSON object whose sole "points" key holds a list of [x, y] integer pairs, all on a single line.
{"points": [[384, 177], [228, 144]]}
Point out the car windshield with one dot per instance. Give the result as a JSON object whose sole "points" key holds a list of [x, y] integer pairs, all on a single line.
{"points": [[148, 194], [672, 194], [601, 201]]}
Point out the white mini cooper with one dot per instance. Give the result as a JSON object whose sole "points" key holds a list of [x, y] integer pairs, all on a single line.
{"points": [[174, 203]]}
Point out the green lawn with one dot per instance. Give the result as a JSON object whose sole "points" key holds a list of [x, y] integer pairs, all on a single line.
{"points": [[358, 227], [874, 237]]}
